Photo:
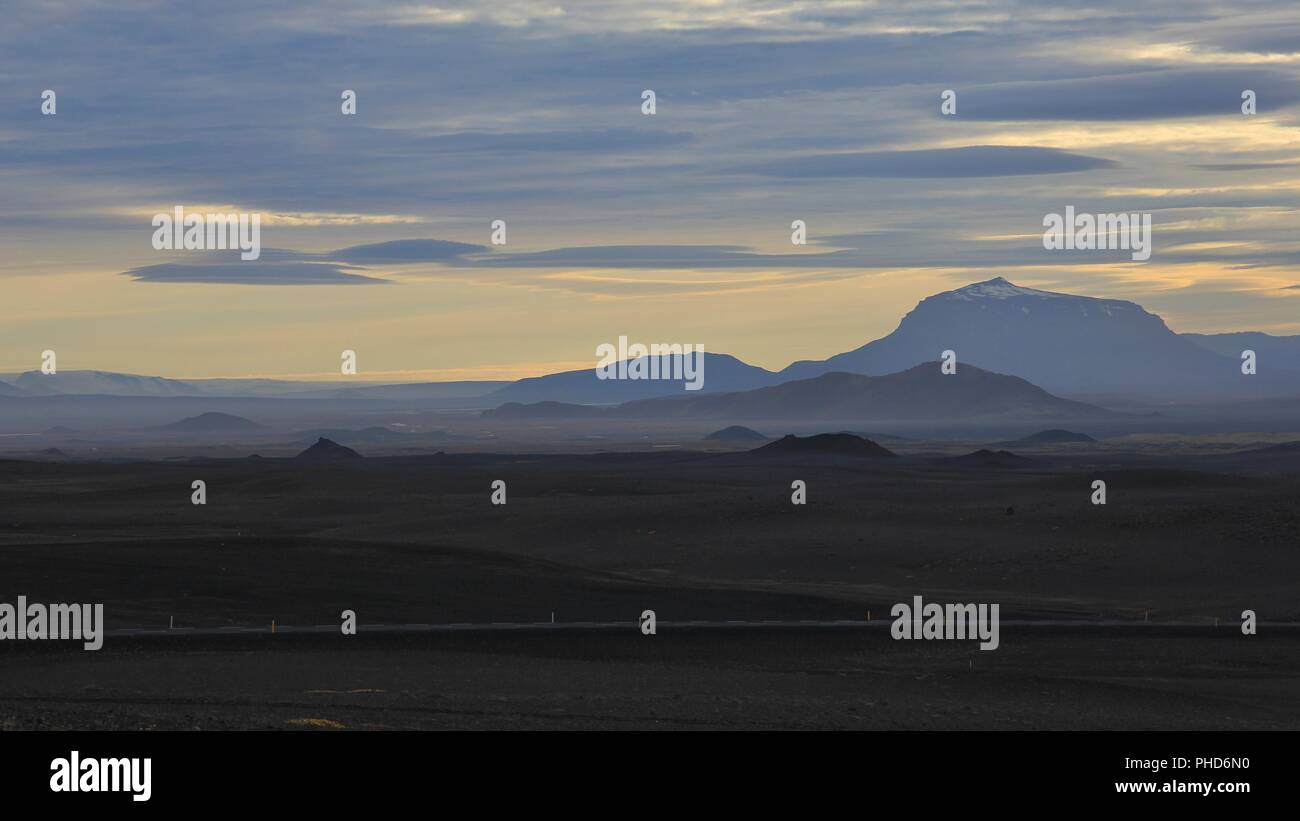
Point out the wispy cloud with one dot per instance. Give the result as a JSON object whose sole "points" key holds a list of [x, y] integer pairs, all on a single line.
{"points": [[938, 163], [252, 273]]}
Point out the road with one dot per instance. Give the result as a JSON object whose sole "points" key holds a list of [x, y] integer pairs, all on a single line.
{"points": [[1118, 626]]}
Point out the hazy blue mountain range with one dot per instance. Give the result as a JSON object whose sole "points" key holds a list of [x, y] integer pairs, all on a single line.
{"points": [[1068, 345]]}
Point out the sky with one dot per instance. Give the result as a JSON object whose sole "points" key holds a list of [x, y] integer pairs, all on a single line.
{"points": [[673, 227]]}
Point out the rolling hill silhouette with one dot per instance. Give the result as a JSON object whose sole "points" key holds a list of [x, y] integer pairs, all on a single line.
{"points": [[985, 459], [211, 422], [736, 433], [1055, 436], [825, 444]]}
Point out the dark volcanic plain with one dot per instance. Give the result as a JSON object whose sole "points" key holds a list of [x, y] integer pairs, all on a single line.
{"points": [[693, 536]]}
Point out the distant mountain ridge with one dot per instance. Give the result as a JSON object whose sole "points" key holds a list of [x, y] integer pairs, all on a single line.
{"points": [[36, 383], [1271, 351], [720, 373], [922, 392], [107, 383]]}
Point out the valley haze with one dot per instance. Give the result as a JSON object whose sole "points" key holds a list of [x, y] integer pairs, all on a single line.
{"points": [[1026, 360]]}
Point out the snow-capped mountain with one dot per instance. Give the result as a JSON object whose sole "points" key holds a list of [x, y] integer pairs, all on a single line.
{"points": [[1066, 344]]}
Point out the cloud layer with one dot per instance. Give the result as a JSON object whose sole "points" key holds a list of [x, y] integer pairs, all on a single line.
{"points": [[767, 112]]}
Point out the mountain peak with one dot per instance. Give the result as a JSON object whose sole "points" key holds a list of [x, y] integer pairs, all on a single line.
{"points": [[1065, 343], [327, 450], [997, 288]]}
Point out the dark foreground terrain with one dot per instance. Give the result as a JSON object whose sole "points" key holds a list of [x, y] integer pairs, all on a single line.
{"points": [[691, 536], [783, 679]]}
